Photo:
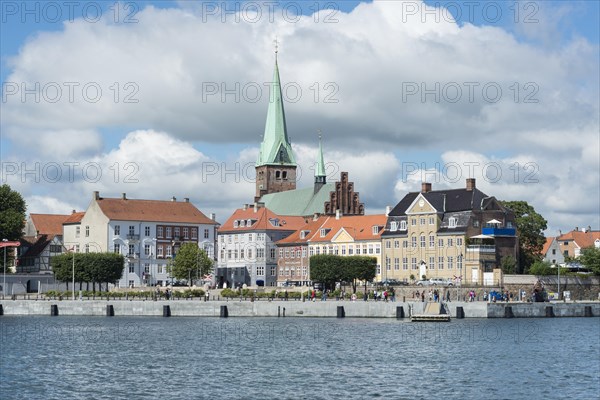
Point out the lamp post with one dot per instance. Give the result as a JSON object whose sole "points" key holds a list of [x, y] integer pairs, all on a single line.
{"points": [[73, 273], [4, 278], [558, 267]]}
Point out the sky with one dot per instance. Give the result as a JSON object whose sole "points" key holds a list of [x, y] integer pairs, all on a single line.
{"points": [[162, 99]]}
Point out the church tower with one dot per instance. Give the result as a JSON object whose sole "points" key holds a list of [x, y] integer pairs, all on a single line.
{"points": [[276, 164], [320, 176]]}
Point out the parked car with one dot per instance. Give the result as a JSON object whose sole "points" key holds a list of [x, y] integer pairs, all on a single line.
{"points": [[435, 282]]}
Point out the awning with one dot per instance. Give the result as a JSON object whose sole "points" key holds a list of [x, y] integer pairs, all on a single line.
{"points": [[481, 237], [494, 221]]}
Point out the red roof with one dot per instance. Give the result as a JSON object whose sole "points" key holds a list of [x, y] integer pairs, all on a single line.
{"points": [[581, 238], [74, 218], [360, 227], [262, 219], [152, 211], [310, 228], [546, 247], [48, 224]]}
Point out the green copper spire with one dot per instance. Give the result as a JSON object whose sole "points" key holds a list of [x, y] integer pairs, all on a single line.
{"points": [[320, 167], [275, 147]]}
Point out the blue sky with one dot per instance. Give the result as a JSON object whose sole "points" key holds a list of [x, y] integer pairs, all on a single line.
{"points": [[372, 53]]}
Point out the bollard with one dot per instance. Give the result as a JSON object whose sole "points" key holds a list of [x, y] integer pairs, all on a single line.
{"points": [[224, 312], [284, 312], [54, 310], [587, 311], [399, 312], [340, 312], [508, 312], [2, 310], [110, 311], [460, 313], [549, 311], [166, 311], [278, 311]]}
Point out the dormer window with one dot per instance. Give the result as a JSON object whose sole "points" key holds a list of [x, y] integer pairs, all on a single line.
{"points": [[323, 232], [375, 230], [242, 223], [452, 222], [235, 223], [249, 222], [394, 226], [274, 221], [402, 225], [303, 234]]}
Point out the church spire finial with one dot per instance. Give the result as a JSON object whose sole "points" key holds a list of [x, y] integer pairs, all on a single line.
{"points": [[320, 175], [276, 43]]}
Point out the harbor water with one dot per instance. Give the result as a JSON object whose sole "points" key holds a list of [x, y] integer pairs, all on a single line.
{"points": [[299, 358]]}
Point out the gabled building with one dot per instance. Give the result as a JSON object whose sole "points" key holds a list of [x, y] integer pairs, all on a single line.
{"points": [[457, 233], [572, 243], [246, 246], [42, 239], [147, 232], [551, 252]]}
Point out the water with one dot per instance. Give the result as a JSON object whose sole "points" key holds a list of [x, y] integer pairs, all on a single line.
{"points": [[297, 358]]}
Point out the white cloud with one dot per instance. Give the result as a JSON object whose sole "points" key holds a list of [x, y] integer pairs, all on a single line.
{"points": [[371, 59]]}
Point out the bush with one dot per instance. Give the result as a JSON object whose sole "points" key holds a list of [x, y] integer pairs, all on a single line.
{"points": [[229, 293]]}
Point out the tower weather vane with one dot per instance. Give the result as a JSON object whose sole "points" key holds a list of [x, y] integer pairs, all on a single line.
{"points": [[276, 43]]}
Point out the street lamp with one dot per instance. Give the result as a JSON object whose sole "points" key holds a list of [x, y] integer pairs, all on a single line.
{"points": [[73, 273], [4, 278]]}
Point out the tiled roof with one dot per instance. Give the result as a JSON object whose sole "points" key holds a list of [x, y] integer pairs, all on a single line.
{"points": [[36, 245], [357, 226], [262, 219], [547, 245], [299, 202], [310, 229], [74, 218], [583, 239], [47, 224], [152, 211], [452, 200]]}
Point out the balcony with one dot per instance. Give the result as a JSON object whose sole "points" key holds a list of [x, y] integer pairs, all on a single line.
{"points": [[133, 237], [498, 231], [134, 256], [481, 248]]}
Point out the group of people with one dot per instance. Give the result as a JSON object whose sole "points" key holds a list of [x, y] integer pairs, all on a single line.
{"points": [[384, 295], [433, 295]]}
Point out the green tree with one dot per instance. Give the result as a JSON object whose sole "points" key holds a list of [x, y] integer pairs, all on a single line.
{"points": [[329, 269], [89, 267], [530, 230], [590, 258], [325, 269], [12, 218], [360, 268], [191, 263], [542, 268], [508, 264]]}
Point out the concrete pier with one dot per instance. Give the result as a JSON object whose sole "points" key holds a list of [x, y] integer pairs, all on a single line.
{"points": [[326, 309]]}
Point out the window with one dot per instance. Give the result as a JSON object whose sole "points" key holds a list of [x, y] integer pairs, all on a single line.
{"points": [[159, 231], [323, 232], [241, 254], [260, 253], [161, 269], [405, 263], [413, 263], [131, 250], [396, 264], [452, 222], [440, 262], [509, 224], [450, 262], [147, 231], [450, 242], [413, 241], [147, 249], [431, 262], [375, 230], [87, 248], [242, 223], [413, 222], [402, 225], [304, 252], [260, 270], [273, 252], [388, 244], [377, 248], [459, 241], [440, 242], [76, 248], [311, 251], [229, 253], [273, 271], [405, 244], [116, 248], [260, 236], [147, 268], [475, 223], [169, 251], [131, 229], [186, 233], [249, 222], [422, 221], [431, 241], [388, 264], [277, 174], [336, 250], [159, 251], [287, 253], [229, 238], [176, 232], [553, 251], [394, 226], [77, 231], [378, 271], [370, 249], [423, 241], [396, 244], [284, 175], [431, 221], [351, 249], [318, 250], [280, 253], [194, 233], [235, 254], [343, 249], [459, 263], [206, 234], [169, 232], [87, 231], [117, 230], [131, 271], [235, 223]]}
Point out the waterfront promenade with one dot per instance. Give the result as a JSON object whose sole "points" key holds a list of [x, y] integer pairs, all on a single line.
{"points": [[280, 308]]}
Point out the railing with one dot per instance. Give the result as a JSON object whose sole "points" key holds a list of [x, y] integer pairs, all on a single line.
{"points": [[133, 237], [498, 231], [481, 248]]}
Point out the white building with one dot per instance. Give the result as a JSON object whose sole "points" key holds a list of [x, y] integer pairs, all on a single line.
{"points": [[147, 232]]}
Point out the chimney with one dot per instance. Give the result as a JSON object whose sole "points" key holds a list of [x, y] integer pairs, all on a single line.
{"points": [[73, 212], [315, 216], [576, 229], [589, 228], [387, 210], [186, 199], [213, 216], [124, 196], [245, 206], [337, 214], [425, 187], [470, 184], [96, 195], [173, 198], [255, 207]]}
